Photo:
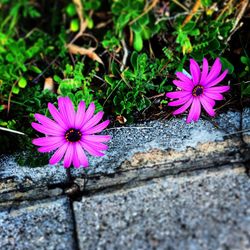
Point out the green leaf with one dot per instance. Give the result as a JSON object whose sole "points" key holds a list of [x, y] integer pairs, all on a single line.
{"points": [[74, 25], [22, 83], [246, 90], [109, 80], [90, 22], [214, 44], [169, 88], [146, 33], [35, 69], [15, 90], [143, 103], [138, 42], [71, 10], [123, 20], [227, 65], [10, 58], [206, 3], [2, 107], [133, 60], [79, 96], [245, 60], [164, 102], [136, 27], [194, 32], [114, 68], [144, 20], [57, 79], [189, 26]]}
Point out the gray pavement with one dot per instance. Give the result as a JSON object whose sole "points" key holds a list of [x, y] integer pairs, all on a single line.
{"points": [[161, 185]]}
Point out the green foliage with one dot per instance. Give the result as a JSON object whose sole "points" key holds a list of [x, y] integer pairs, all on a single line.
{"points": [[14, 60], [18, 9], [110, 42], [89, 6], [76, 85], [200, 39], [128, 13], [130, 88], [245, 86], [132, 80]]}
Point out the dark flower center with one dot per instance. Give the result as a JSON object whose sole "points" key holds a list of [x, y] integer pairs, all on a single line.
{"points": [[198, 90], [73, 135]]}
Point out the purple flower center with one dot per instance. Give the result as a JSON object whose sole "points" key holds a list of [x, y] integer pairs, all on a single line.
{"points": [[73, 135], [198, 90]]}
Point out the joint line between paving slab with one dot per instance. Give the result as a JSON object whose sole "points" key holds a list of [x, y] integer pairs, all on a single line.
{"points": [[139, 182], [75, 234]]}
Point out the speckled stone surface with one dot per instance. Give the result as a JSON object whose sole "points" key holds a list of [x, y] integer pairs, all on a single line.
{"points": [[175, 134], [208, 210], [41, 225], [15, 177], [246, 125], [229, 122]]}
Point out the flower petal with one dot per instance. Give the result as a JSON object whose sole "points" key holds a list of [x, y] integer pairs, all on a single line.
{"points": [[88, 115], [204, 71], [93, 121], [217, 80], [81, 155], [76, 161], [184, 107], [90, 149], [184, 78], [51, 147], [98, 128], [214, 96], [214, 71], [48, 131], [195, 71], [195, 110], [178, 94], [220, 89], [70, 111], [47, 141], [80, 114], [68, 158], [57, 116], [208, 100], [46, 122], [183, 85], [58, 155], [180, 101], [207, 107], [62, 109], [96, 138]]}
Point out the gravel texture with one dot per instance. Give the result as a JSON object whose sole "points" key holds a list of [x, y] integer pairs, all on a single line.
{"points": [[174, 134], [246, 125], [209, 210], [41, 225], [15, 177]]}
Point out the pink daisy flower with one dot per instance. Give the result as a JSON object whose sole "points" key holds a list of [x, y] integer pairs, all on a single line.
{"points": [[71, 132], [197, 89]]}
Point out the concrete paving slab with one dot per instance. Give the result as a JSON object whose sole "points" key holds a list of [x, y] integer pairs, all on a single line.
{"points": [[209, 210], [14, 177], [153, 149], [246, 125], [175, 134], [40, 225]]}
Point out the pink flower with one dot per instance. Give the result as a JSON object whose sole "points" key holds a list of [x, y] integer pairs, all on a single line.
{"points": [[71, 133], [197, 90]]}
